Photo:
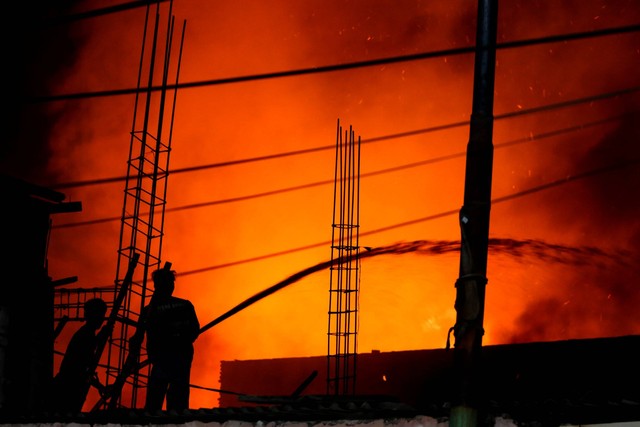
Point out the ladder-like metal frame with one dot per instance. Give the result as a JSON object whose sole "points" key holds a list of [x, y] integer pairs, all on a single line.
{"points": [[142, 226], [345, 267]]}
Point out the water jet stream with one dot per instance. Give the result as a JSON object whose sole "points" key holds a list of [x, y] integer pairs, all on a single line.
{"points": [[517, 248]]}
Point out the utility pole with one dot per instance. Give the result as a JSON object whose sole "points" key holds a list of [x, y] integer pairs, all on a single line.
{"points": [[474, 225]]}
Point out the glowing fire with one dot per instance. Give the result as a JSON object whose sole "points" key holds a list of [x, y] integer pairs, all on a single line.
{"points": [[584, 171]]}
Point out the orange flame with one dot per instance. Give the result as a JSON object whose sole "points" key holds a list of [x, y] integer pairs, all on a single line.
{"points": [[574, 188]]}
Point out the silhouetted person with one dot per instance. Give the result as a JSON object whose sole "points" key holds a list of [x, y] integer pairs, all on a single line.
{"points": [[77, 369], [171, 327]]}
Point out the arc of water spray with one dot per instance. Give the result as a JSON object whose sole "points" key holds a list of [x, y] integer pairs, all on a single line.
{"points": [[398, 248], [537, 248]]}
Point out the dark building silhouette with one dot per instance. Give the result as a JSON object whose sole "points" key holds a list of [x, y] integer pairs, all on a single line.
{"points": [[544, 383], [26, 293]]}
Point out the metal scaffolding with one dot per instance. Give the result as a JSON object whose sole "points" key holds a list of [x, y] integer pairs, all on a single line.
{"points": [[142, 226], [345, 267]]}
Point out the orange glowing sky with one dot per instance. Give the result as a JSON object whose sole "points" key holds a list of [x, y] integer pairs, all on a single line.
{"points": [[406, 302]]}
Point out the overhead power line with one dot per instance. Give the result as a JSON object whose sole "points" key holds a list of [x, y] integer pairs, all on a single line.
{"points": [[537, 189], [362, 175], [523, 193], [447, 126], [344, 66]]}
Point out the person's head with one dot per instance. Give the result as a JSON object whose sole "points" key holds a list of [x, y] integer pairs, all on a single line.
{"points": [[95, 310], [164, 281]]}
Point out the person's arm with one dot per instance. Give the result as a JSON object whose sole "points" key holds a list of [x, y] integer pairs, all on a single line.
{"points": [[195, 324], [135, 342], [94, 381]]}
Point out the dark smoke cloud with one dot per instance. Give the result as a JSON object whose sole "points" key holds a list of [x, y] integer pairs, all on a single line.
{"points": [[601, 297], [613, 202], [600, 303]]}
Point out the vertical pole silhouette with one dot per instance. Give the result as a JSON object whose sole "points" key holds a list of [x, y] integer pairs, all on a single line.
{"points": [[474, 224]]}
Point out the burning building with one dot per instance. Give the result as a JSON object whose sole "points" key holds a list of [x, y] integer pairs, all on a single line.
{"points": [[566, 107]]}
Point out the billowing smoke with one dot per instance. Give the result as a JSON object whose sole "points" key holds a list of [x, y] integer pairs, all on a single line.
{"points": [[562, 260], [599, 297]]}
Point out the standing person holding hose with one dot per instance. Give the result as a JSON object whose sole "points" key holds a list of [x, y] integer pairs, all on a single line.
{"points": [[171, 326]]}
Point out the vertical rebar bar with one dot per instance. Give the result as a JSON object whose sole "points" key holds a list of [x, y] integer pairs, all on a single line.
{"points": [[142, 226], [344, 274]]}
